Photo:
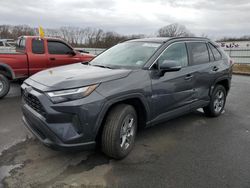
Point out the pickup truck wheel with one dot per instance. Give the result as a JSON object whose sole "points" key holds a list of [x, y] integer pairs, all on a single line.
{"points": [[217, 103], [4, 85], [119, 131]]}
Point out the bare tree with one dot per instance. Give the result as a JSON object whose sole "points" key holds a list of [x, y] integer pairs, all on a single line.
{"points": [[174, 30], [19, 30], [93, 36], [52, 33], [79, 35], [5, 31], [8, 31]]}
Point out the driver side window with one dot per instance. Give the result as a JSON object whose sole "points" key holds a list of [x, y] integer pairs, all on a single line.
{"points": [[57, 47], [175, 52]]}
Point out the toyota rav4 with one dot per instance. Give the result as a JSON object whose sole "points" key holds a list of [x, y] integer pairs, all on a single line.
{"points": [[137, 83]]}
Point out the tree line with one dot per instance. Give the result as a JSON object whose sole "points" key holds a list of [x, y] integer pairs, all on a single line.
{"points": [[88, 37], [76, 36], [95, 37]]}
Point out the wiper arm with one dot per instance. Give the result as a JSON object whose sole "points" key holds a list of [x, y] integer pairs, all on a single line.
{"points": [[85, 63], [102, 66]]}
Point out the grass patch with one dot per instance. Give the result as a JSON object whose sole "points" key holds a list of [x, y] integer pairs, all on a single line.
{"points": [[241, 69]]}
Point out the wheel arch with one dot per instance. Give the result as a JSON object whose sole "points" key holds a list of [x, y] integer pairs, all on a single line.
{"points": [[224, 81], [135, 100], [7, 71]]}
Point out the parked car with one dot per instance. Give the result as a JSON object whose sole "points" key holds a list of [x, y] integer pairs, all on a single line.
{"points": [[138, 83], [6, 46], [34, 54]]}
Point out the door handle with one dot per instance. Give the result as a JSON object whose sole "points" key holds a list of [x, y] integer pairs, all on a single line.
{"points": [[189, 77], [215, 68], [52, 59]]}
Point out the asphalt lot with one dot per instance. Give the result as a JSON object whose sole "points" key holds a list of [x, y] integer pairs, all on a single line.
{"points": [[190, 151]]}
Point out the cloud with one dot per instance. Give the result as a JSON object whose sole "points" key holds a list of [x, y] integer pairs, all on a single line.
{"points": [[215, 18]]}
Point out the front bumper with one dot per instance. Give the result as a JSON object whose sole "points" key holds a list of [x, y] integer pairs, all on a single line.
{"points": [[69, 125], [48, 137]]}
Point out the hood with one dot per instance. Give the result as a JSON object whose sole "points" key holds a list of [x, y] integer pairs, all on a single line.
{"points": [[73, 76]]}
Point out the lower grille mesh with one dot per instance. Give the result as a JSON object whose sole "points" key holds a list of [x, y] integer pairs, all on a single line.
{"points": [[33, 102]]}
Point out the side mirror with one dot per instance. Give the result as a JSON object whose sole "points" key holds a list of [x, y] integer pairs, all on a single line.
{"points": [[73, 53], [169, 66]]}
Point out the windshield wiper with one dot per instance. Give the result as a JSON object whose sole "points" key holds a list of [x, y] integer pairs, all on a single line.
{"points": [[102, 66]]}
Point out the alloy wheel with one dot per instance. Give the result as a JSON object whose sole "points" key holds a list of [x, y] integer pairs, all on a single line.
{"points": [[127, 132], [219, 101], [1, 86]]}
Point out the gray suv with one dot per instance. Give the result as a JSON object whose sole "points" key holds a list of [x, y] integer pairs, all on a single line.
{"points": [[138, 83]]}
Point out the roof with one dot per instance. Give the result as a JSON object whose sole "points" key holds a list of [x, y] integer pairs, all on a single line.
{"points": [[39, 37], [165, 39]]}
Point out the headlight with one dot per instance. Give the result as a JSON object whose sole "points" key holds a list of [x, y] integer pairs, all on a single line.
{"points": [[71, 94]]}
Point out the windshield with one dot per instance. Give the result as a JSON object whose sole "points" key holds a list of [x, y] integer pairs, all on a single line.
{"points": [[126, 55]]}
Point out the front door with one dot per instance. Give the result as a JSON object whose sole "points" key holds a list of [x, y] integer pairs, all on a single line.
{"points": [[173, 90], [60, 54]]}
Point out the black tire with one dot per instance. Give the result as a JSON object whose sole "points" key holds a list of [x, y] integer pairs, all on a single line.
{"points": [[214, 110], [114, 128], [4, 85]]}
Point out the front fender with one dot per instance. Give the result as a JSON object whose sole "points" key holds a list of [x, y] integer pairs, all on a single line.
{"points": [[111, 102]]}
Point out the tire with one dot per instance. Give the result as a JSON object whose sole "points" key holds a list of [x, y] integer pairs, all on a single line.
{"points": [[119, 131], [4, 86], [217, 102]]}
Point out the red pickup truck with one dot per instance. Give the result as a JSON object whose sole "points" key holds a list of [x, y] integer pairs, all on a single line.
{"points": [[34, 54]]}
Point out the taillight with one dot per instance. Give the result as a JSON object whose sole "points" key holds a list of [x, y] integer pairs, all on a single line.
{"points": [[231, 62]]}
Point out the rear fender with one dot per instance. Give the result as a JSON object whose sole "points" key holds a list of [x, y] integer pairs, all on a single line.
{"points": [[219, 80]]}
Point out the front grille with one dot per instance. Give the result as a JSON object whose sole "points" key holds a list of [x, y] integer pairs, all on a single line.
{"points": [[33, 102]]}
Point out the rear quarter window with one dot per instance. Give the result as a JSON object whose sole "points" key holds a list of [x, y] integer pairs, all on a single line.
{"points": [[216, 53], [21, 44], [211, 55]]}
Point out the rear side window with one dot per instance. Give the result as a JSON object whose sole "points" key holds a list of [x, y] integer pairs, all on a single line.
{"points": [[38, 46], [176, 52], [1, 43], [57, 47], [198, 53], [21, 43], [216, 53]]}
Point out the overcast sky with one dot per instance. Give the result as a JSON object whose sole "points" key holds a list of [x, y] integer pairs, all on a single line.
{"points": [[215, 18]]}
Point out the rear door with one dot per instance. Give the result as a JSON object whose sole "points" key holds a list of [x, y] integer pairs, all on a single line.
{"points": [[60, 53], [217, 66], [173, 90], [201, 60]]}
